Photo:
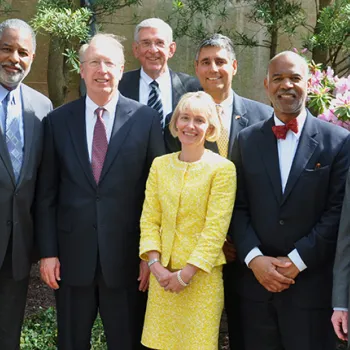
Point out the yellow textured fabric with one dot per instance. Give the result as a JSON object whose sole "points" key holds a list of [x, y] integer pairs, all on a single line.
{"points": [[224, 138], [186, 215]]}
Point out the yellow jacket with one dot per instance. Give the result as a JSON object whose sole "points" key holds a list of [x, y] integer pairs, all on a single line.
{"points": [[187, 210]]}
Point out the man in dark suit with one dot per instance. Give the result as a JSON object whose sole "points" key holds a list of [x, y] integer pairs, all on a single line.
{"points": [[97, 155], [291, 173], [340, 317], [216, 66], [21, 136], [153, 46]]}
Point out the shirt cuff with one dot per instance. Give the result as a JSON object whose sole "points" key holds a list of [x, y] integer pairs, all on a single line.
{"points": [[297, 260], [340, 309], [252, 254]]}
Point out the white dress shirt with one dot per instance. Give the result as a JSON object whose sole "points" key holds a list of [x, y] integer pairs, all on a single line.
{"points": [[91, 117], [165, 88], [286, 152], [227, 107]]}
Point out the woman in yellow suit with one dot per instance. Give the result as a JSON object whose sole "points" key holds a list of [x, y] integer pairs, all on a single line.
{"points": [[185, 218]]}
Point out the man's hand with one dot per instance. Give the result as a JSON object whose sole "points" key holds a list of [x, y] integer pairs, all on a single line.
{"points": [[265, 271], [229, 250], [50, 271], [289, 271], [340, 324], [143, 276]]}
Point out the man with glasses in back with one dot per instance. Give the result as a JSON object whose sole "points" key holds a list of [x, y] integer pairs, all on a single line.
{"points": [[97, 155], [155, 84]]}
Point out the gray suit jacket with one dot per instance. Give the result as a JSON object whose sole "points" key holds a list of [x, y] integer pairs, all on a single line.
{"points": [[341, 271], [17, 199], [129, 86]]}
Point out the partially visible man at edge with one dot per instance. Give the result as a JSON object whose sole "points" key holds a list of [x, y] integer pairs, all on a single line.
{"points": [[21, 112], [153, 46], [291, 179], [97, 155], [216, 66]]}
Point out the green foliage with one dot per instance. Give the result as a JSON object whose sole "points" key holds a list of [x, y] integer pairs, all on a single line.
{"points": [[39, 332], [334, 35]]}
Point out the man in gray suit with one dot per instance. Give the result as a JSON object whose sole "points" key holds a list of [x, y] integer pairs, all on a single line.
{"points": [[153, 46], [341, 271], [22, 109]]}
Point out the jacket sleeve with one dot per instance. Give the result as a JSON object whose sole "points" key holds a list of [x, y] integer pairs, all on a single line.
{"points": [[219, 211], [151, 216]]}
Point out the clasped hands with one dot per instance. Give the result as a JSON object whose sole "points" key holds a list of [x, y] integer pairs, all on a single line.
{"points": [[274, 274], [167, 279]]}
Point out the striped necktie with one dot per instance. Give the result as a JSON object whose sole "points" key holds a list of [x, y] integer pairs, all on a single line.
{"points": [[154, 100], [13, 136]]}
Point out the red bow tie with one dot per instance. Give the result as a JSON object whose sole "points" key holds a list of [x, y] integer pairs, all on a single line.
{"points": [[280, 131]]}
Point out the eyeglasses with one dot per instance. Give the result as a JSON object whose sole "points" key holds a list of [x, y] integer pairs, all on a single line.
{"points": [[147, 44], [97, 63]]}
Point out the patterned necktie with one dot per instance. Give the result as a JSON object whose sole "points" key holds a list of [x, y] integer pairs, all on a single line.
{"points": [[223, 140], [280, 131], [99, 145], [13, 135], [154, 100]]}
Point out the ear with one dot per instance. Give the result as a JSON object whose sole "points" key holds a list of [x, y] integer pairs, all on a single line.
{"points": [[172, 49], [196, 66], [309, 83], [266, 85], [81, 66], [235, 66], [135, 47], [209, 132]]}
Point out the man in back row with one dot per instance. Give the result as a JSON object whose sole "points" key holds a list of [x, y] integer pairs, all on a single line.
{"points": [[216, 66], [155, 84]]}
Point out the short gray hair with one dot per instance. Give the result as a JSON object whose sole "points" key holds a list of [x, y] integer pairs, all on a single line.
{"points": [[115, 41], [15, 23], [220, 41], [155, 23]]}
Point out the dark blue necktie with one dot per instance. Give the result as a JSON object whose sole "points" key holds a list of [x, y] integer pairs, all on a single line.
{"points": [[154, 100]]}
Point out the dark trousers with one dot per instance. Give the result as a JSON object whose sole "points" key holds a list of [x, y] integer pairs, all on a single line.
{"points": [[232, 307], [121, 310], [13, 296], [279, 324]]}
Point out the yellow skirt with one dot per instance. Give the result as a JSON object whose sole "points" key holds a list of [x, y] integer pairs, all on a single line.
{"points": [[189, 320]]}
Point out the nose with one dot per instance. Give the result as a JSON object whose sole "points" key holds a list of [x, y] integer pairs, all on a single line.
{"points": [[213, 66], [153, 47], [286, 83], [102, 67], [14, 56]]}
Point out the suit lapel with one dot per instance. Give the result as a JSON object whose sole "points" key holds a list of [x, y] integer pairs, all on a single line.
{"points": [[267, 147], [306, 147], [28, 125], [77, 129], [5, 156], [120, 130], [177, 88], [238, 121]]}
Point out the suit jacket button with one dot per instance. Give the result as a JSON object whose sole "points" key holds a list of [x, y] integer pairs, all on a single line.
{"points": [[9, 222], [97, 199], [94, 226], [281, 222]]}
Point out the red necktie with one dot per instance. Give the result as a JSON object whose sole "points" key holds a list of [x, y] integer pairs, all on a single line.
{"points": [[280, 131], [99, 145]]}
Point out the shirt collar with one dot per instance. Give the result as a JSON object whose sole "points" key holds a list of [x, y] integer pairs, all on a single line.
{"points": [[110, 106], [228, 102], [16, 93], [300, 118], [161, 80]]}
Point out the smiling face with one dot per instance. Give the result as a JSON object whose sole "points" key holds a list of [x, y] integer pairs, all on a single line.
{"points": [[16, 56], [102, 69], [153, 50], [192, 127], [286, 85], [215, 70]]}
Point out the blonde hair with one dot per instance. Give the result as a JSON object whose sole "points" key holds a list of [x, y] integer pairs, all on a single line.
{"points": [[199, 103]]}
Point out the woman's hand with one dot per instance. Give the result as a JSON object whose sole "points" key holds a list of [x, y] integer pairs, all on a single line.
{"points": [[174, 284], [160, 273]]}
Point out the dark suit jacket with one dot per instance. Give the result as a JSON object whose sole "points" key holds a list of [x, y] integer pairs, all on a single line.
{"points": [[129, 85], [305, 216], [245, 112], [79, 221], [17, 199]]}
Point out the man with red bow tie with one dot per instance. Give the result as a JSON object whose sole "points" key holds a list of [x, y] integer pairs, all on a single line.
{"points": [[291, 178]]}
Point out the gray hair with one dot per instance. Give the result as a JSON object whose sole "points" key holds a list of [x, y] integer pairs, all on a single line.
{"points": [[16, 23], [155, 23], [113, 40], [220, 41]]}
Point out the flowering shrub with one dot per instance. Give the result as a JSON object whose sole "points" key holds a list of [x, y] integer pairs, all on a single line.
{"points": [[329, 96]]}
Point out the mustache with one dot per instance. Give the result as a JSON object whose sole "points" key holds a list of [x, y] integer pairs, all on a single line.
{"points": [[10, 64]]}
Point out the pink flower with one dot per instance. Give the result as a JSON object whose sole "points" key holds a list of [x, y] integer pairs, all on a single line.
{"points": [[342, 85], [328, 115]]}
